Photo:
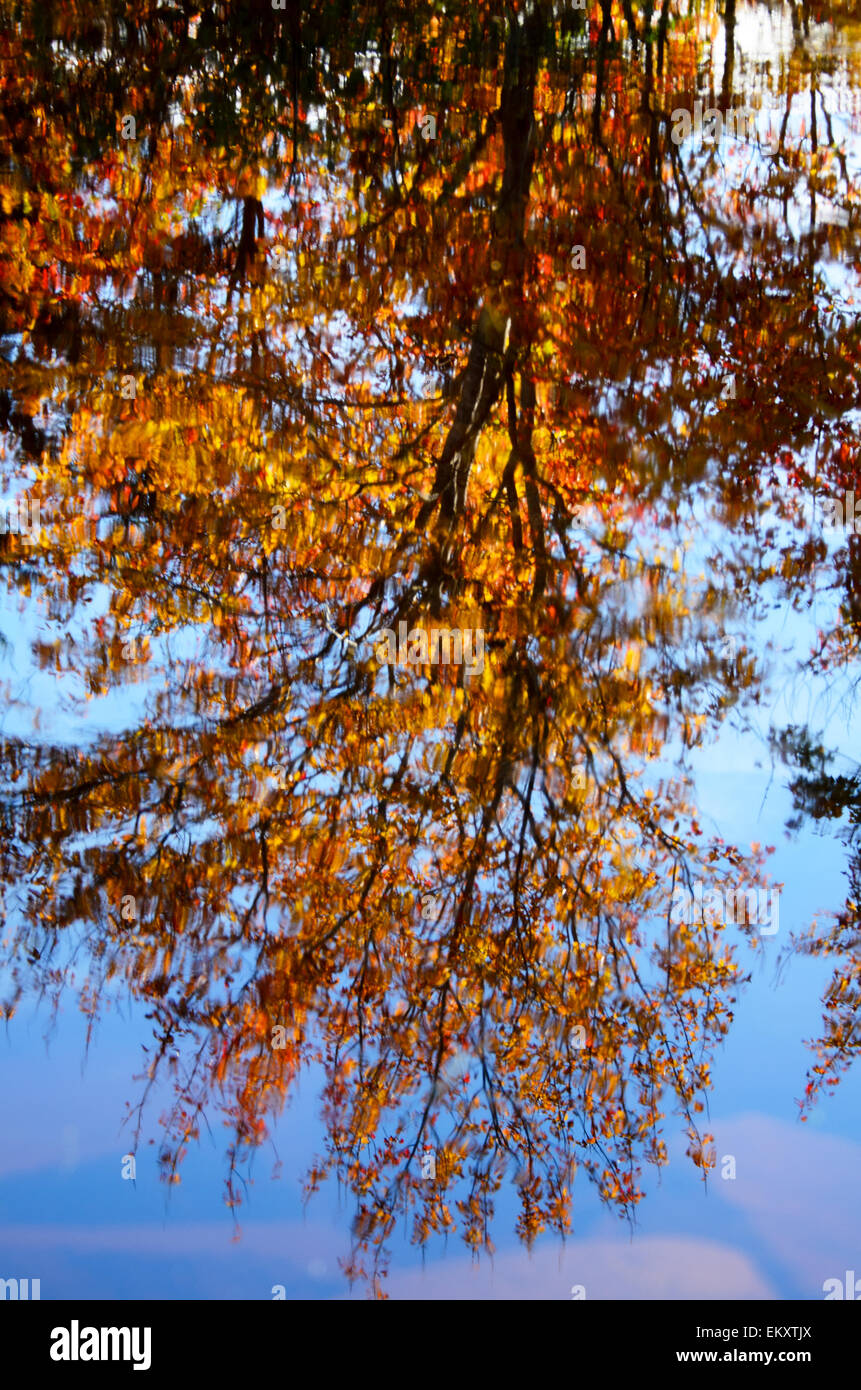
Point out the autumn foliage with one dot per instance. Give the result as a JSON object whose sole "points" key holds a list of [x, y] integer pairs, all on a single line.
{"points": [[282, 355]]}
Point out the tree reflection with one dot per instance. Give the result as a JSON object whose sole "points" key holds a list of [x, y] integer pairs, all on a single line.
{"points": [[285, 372]]}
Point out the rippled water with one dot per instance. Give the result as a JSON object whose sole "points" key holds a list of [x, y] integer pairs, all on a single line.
{"points": [[430, 449]]}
